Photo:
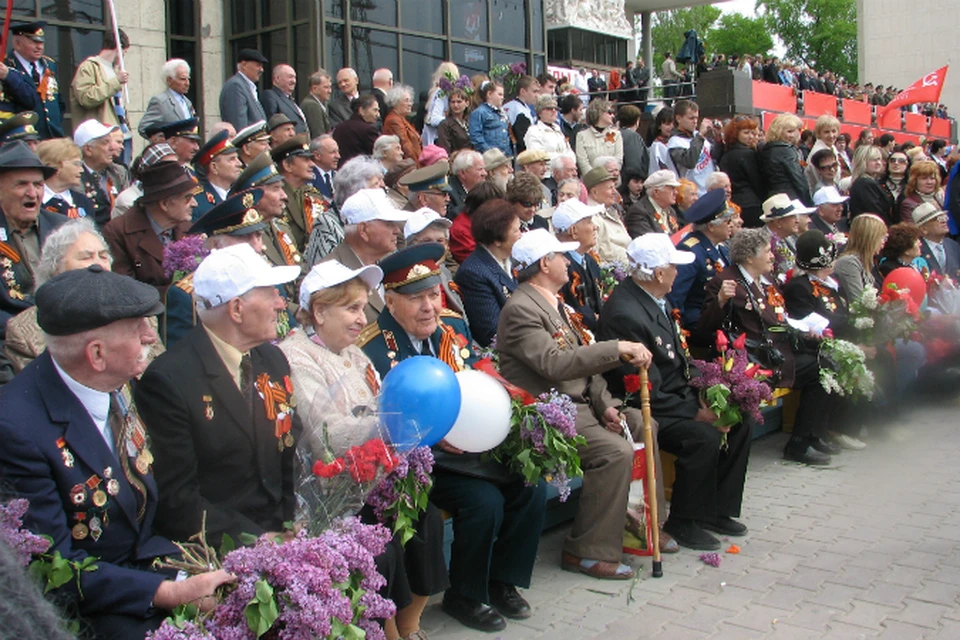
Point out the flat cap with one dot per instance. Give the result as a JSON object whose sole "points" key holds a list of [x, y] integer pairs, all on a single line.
{"points": [[83, 299], [595, 176], [530, 156], [252, 55], [278, 120]]}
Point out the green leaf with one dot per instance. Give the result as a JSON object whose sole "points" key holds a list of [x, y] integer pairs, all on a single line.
{"points": [[261, 612], [227, 544], [60, 572], [248, 539]]}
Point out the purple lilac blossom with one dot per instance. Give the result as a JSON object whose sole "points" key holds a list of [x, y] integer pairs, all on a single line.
{"points": [[23, 543]]}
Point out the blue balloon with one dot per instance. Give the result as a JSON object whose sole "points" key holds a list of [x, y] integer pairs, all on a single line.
{"points": [[419, 402]]}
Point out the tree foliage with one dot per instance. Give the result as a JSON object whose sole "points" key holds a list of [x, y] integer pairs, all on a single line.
{"points": [[737, 34], [820, 33], [669, 26]]}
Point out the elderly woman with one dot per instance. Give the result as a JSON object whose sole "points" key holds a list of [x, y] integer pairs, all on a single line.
{"points": [[525, 193], [741, 162], [400, 102], [546, 135], [746, 299], [387, 150], [453, 133], [780, 159], [336, 385], [485, 278], [489, 127], [355, 135], [923, 186], [62, 191], [76, 244], [902, 249], [600, 137], [437, 102], [866, 194]]}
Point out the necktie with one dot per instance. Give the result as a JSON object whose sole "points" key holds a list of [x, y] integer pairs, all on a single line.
{"points": [[121, 419], [425, 349], [36, 75], [246, 376], [328, 183]]}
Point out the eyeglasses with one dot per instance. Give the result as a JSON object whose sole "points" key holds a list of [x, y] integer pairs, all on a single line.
{"points": [[529, 204], [828, 167]]}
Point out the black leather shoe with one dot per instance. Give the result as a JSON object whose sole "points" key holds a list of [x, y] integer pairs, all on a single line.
{"points": [[800, 451], [507, 601], [689, 534], [472, 613], [724, 525], [825, 446]]}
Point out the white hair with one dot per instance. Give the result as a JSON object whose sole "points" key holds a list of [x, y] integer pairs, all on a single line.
{"points": [[59, 241], [603, 161], [557, 163], [714, 179], [170, 67], [397, 93], [464, 160], [381, 144]]}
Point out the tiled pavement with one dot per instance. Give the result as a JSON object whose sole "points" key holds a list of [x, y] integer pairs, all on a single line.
{"points": [[869, 547]]}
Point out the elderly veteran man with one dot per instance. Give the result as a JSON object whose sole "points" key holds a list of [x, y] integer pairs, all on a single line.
{"points": [[828, 217], [941, 252], [708, 490], [305, 204], [427, 226], [655, 212], [468, 170], [33, 86], [612, 236], [21, 127], [574, 223], [428, 187], [183, 136], [543, 347], [372, 227], [251, 141], [154, 153], [217, 167], [171, 104], [159, 217], [781, 217], [100, 181], [711, 220], [74, 446], [496, 518], [219, 406]]}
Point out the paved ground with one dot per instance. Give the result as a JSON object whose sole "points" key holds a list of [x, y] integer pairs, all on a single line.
{"points": [[869, 547]]}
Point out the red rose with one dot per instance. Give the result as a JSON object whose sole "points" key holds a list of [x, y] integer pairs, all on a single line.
{"points": [[631, 383], [828, 333]]}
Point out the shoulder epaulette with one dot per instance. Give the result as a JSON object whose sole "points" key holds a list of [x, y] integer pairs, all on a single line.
{"points": [[185, 283], [369, 332], [447, 313], [691, 241]]}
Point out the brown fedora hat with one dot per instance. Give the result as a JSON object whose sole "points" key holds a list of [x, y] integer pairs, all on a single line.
{"points": [[164, 180]]}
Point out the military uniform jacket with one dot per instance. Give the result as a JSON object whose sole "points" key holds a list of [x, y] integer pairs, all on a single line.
{"points": [[206, 199], [214, 450], [45, 100], [17, 280], [582, 291], [102, 200], [82, 207], [16, 92], [687, 294], [630, 313], [305, 206], [136, 247], [54, 456]]}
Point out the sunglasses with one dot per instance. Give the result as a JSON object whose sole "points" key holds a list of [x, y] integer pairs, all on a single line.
{"points": [[828, 167], [529, 204], [898, 160]]}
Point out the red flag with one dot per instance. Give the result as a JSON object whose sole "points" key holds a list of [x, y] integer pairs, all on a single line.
{"points": [[926, 89]]}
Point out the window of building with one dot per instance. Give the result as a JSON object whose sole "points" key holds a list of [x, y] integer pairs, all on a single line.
{"points": [[183, 28]]}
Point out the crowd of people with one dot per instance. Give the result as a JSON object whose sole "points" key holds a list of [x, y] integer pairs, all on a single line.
{"points": [[159, 319]]}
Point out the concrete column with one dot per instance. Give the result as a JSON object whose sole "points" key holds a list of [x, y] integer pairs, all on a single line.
{"points": [[145, 24], [647, 39], [213, 47]]}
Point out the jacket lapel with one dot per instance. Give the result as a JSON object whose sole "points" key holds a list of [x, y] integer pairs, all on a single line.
{"points": [[221, 382], [148, 241]]}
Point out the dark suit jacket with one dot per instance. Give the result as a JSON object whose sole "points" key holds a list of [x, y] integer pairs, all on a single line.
{"points": [[237, 104], [641, 218], [458, 197], [801, 302], [42, 422], [630, 313], [213, 451], [102, 206], [276, 101], [339, 109], [82, 206], [27, 98], [355, 137], [484, 288], [952, 268], [136, 248], [346, 256], [318, 120], [582, 291]]}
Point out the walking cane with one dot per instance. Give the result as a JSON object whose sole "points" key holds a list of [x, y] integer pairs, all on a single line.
{"points": [[651, 472]]}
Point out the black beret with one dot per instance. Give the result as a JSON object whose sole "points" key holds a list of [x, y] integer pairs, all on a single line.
{"points": [[84, 299]]}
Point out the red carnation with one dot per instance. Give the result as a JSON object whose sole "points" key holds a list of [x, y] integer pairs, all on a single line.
{"points": [[323, 470], [631, 383]]}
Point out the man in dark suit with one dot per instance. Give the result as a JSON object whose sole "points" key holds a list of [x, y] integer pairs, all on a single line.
{"points": [[595, 84], [339, 107], [708, 490], [941, 252], [75, 448], [573, 222], [654, 211], [34, 86], [159, 217], [326, 157], [496, 518], [239, 100], [219, 406], [280, 98], [381, 83], [314, 106], [467, 171]]}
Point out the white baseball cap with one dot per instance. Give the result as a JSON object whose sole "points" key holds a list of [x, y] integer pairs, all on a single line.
{"points": [[228, 273], [371, 204], [572, 211], [423, 218], [331, 273], [802, 209], [537, 243], [828, 195], [91, 130], [654, 250]]}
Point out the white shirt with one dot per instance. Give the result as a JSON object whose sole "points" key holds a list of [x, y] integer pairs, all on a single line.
{"points": [[97, 404], [66, 195], [253, 87], [220, 192], [29, 66], [505, 265], [418, 342]]}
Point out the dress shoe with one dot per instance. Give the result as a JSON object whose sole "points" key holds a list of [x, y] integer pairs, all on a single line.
{"points": [[799, 451], [849, 442], [507, 601], [825, 446], [472, 613], [691, 535], [724, 525]]}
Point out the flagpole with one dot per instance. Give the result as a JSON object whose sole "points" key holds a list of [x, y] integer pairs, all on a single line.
{"points": [[116, 38], [6, 29]]}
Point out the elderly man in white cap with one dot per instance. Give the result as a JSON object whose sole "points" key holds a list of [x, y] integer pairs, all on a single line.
{"points": [[709, 486], [218, 406], [654, 212], [574, 222], [829, 214], [941, 253], [781, 217], [101, 180], [543, 347], [426, 225], [372, 227]]}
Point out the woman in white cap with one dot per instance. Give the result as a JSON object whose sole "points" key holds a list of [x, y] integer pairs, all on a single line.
{"points": [[336, 383]]}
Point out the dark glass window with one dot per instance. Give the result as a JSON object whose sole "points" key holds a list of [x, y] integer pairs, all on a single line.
{"points": [[508, 22], [421, 57], [243, 17], [274, 47], [272, 12], [84, 11], [304, 62], [539, 65], [383, 12], [422, 15], [301, 9], [333, 48], [333, 8], [471, 59], [508, 57], [371, 50], [536, 24], [468, 20]]}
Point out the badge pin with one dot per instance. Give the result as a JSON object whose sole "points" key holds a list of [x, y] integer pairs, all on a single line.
{"points": [[391, 354], [113, 487], [108, 472], [78, 495], [288, 440], [99, 498], [142, 466], [659, 341], [67, 458], [79, 531]]}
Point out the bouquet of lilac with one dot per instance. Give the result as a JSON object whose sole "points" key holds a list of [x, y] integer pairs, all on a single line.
{"points": [[449, 82], [24, 544], [508, 75], [307, 588], [402, 495], [611, 274], [182, 257], [543, 440]]}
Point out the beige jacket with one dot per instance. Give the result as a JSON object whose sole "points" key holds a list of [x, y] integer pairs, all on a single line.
{"points": [[92, 90]]}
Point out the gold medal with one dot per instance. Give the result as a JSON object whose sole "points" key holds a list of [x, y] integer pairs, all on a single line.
{"points": [[288, 439], [79, 531], [99, 498], [280, 446], [141, 464], [113, 487]]}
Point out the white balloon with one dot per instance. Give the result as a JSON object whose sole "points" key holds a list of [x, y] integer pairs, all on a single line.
{"points": [[484, 418]]}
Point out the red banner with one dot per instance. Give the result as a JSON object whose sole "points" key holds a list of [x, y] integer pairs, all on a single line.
{"points": [[926, 89]]}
